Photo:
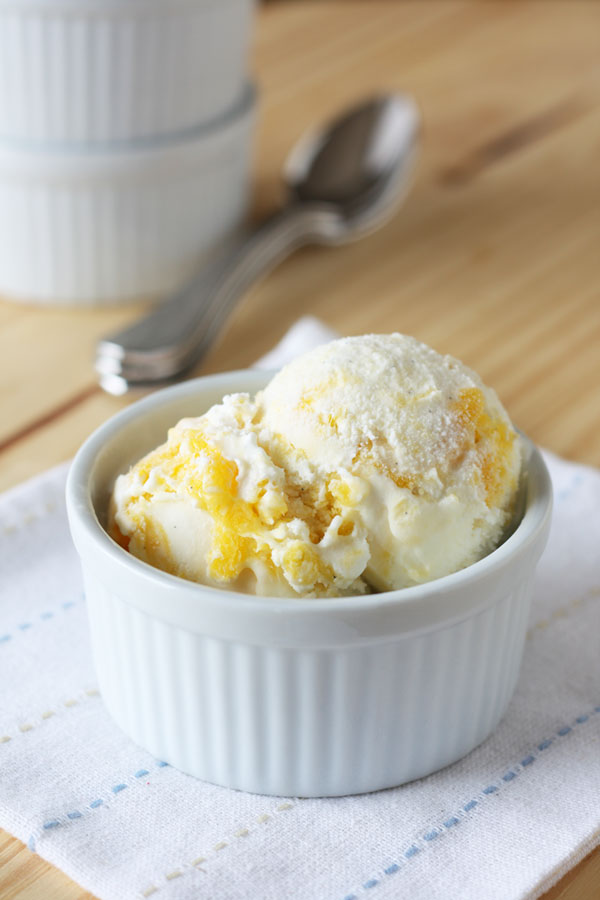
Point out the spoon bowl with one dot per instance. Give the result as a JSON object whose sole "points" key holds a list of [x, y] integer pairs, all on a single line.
{"points": [[357, 156]]}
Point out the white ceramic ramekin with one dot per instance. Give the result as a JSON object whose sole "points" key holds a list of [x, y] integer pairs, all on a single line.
{"points": [[112, 226], [296, 697], [88, 71]]}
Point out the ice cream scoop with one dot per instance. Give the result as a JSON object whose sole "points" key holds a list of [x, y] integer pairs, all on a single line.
{"points": [[213, 505], [411, 440], [370, 463]]}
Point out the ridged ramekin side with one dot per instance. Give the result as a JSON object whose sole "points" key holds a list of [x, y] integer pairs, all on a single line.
{"points": [[111, 231], [307, 722], [99, 71]]}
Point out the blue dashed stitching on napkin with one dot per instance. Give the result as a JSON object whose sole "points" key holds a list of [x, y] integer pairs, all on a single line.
{"points": [[44, 617], [486, 792], [95, 804]]}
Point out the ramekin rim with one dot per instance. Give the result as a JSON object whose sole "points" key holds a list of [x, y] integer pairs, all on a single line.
{"points": [[535, 517], [64, 154]]}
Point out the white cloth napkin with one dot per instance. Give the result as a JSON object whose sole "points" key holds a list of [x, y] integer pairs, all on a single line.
{"points": [[505, 822]]}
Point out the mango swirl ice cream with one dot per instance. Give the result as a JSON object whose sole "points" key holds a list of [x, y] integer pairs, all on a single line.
{"points": [[368, 464]]}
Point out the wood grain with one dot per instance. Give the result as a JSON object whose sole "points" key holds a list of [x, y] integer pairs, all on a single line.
{"points": [[493, 258]]}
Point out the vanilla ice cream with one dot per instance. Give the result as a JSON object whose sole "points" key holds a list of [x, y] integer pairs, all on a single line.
{"points": [[370, 463]]}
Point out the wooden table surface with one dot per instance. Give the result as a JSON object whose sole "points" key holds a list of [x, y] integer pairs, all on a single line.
{"points": [[495, 256]]}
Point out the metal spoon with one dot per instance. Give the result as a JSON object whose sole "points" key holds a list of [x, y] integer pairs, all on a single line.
{"points": [[343, 181]]}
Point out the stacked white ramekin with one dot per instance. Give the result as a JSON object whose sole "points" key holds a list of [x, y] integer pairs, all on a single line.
{"points": [[124, 143]]}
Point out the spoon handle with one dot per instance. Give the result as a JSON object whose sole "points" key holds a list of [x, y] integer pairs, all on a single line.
{"points": [[174, 336]]}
